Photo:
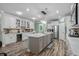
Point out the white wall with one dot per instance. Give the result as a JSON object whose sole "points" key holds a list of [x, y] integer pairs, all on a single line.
{"points": [[53, 23], [8, 20]]}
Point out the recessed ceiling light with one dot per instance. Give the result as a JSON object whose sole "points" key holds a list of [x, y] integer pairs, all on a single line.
{"points": [[19, 12], [33, 18], [57, 11], [27, 9]]}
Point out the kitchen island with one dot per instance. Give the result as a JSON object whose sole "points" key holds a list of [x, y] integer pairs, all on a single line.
{"points": [[38, 41]]}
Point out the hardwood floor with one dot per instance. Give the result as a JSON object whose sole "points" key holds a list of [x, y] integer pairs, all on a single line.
{"points": [[56, 48]]}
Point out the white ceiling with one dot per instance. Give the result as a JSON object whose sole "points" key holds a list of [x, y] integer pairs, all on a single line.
{"points": [[36, 8]]}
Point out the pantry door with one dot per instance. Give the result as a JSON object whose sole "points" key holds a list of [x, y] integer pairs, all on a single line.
{"points": [[62, 31]]}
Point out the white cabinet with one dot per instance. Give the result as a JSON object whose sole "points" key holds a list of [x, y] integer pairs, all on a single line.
{"points": [[24, 36], [41, 43], [29, 24], [9, 38], [11, 21], [25, 44], [17, 21], [23, 23], [37, 44]]}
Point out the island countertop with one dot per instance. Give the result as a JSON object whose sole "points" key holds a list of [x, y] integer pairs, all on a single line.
{"points": [[39, 34]]}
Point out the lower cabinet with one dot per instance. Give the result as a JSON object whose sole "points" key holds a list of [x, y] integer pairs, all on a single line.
{"points": [[25, 44], [9, 38], [37, 44]]}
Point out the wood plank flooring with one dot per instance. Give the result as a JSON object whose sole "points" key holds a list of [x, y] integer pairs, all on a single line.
{"points": [[57, 48]]}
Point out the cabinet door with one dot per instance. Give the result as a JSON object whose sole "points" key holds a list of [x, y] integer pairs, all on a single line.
{"points": [[9, 38], [44, 41], [18, 23], [28, 24], [40, 43], [47, 40], [25, 43]]}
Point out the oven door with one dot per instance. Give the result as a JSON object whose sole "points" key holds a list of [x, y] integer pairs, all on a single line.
{"points": [[19, 37]]}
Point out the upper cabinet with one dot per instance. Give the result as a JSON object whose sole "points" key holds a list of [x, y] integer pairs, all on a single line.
{"points": [[10, 21], [18, 21], [23, 23], [29, 24], [13, 22]]}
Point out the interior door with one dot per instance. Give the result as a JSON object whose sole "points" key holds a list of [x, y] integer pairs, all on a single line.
{"points": [[62, 31]]}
